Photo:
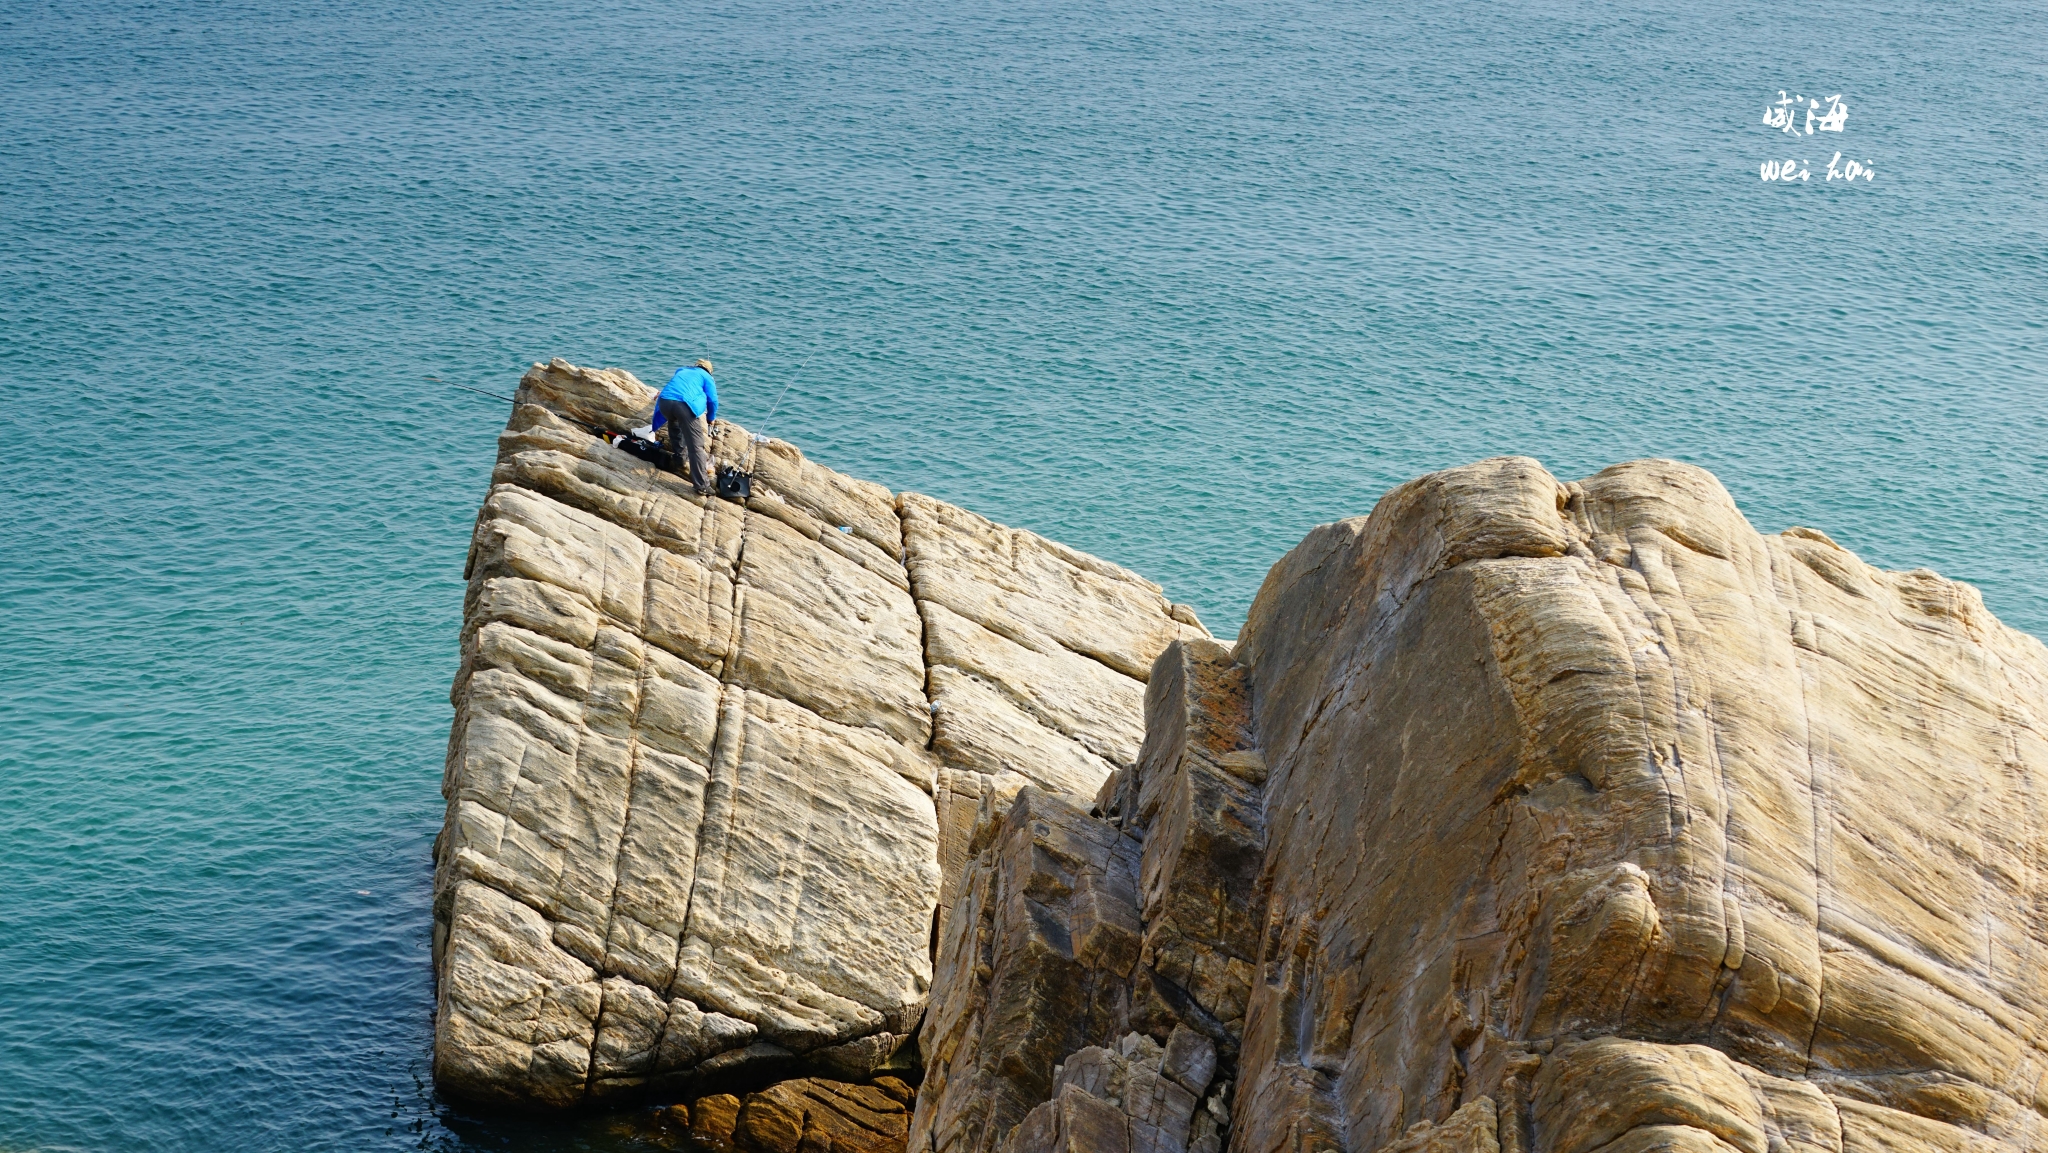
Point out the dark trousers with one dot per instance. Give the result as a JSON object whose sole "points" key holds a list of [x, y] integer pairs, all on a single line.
{"points": [[688, 437]]}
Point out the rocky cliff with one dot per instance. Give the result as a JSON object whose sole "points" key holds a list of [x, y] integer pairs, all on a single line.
{"points": [[713, 763], [1531, 817], [1524, 817]]}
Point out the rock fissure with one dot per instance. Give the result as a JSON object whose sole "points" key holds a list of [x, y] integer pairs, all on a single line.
{"points": [[924, 651], [619, 852]]}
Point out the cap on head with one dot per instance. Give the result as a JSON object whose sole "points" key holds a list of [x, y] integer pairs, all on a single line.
{"points": [[704, 364]]}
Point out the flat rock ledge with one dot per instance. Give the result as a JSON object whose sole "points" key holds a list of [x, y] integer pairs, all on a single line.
{"points": [[713, 764], [1531, 817]]}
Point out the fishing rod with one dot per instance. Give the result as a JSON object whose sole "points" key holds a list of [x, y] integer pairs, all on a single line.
{"points": [[466, 388], [595, 430]]}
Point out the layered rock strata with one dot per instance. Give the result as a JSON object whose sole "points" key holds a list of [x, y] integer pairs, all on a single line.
{"points": [[1542, 818], [713, 763], [805, 1115]]}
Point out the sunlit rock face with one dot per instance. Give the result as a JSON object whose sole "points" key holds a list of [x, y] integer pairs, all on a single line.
{"points": [[1534, 817], [713, 762], [1524, 817]]}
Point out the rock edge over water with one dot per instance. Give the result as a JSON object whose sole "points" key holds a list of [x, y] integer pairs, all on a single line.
{"points": [[711, 762]]}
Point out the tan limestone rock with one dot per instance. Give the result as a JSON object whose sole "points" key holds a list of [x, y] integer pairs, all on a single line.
{"points": [[827, 634], [1526, 817], [606, 397], [699, 797], [1087, 976], [1040, 594], [813, 1115], [1591, 800], [1123, 1097], [978, 728], [1533, 817], [714, 1121], [1034, 963], [832, 501], [1473, 1128], [516, 1013], [1197, 802], [817, 862], [1075, 696]]}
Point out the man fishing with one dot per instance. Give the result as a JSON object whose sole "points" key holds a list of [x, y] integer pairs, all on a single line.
{"points": [[688, 405]]}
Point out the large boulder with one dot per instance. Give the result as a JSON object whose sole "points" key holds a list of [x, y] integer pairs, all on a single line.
{"points": [[1592, 801], [1535, 817], [713, 763]]}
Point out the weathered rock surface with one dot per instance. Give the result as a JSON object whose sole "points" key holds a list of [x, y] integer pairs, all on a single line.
{"points": [[1532, 817], [1039, 951], [1075, 943], [804, 1115], [1137, 1097], [711, 764], [807, 1115], [1524, 817]]}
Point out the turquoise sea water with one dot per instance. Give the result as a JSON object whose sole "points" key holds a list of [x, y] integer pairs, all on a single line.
{"points": [[1169, 283]]}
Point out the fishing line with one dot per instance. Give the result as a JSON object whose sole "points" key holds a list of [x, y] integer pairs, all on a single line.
{"points": [[785, 388]]}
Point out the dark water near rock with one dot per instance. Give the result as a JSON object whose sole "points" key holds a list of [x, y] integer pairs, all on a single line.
{"points": [[1167, 283]]}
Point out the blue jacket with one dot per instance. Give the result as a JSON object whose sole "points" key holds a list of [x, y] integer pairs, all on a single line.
{"points": [[694, 387]]}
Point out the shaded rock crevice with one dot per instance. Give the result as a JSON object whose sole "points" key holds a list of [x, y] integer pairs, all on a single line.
{"points": [[1091, 986]]}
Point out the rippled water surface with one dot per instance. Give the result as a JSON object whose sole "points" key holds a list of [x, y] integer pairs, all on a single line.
{"points": [[1167, 283]]}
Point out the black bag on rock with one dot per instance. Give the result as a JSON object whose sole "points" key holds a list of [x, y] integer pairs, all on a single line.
{"points": [[734, 484], [646, 450]]}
